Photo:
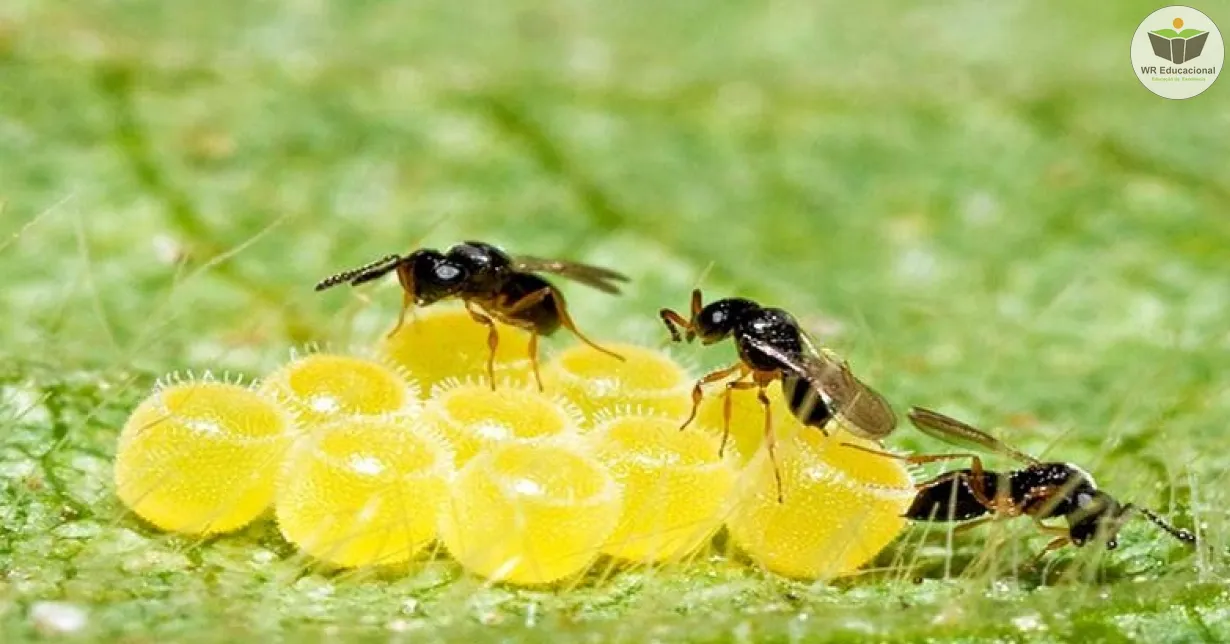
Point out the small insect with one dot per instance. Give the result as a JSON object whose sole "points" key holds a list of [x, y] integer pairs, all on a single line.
{"points": [[1041, 490], [818, 385], [492, 285]]}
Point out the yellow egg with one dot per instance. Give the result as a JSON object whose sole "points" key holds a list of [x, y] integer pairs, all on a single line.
{"points": [[676, 488], [200, 457], [364, 490], [322, 386], [472, 417], [842, 506], [530, 513], [444, 343], [746, 418], [603, 386]]}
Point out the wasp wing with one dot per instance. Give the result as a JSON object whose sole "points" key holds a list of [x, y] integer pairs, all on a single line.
{"points": [[859, 407], [955, 432], [597, 277]]}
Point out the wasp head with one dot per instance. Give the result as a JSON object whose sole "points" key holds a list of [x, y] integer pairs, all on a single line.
{"points": [[715, 322], [432, 276], [1097, 516]]}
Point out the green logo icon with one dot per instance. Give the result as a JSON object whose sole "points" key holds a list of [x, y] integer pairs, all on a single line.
{"points": [[1177, 46]]}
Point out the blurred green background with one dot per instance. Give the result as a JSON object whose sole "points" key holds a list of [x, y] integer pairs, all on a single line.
{"points": [[977, 203]]}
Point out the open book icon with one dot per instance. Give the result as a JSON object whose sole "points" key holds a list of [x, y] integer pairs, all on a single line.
{"points": [[1178, 47]]}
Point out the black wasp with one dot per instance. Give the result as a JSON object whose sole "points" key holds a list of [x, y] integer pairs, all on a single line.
{"points": [[1041, 490], [492, 285], [818, 385]]}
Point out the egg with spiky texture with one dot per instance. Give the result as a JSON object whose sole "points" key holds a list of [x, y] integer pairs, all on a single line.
{"points": [[601, 385], [530, 513], [200, 456], [444, 343], [474, 417], [320, 387], [840, 506], [676, 486], [364, 491]]}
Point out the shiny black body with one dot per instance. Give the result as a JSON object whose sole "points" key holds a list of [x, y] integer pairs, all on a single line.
{"points": [[479, 273], [771, 344], [806, 403], [751, 326], [1041, 490], [493, 285]]}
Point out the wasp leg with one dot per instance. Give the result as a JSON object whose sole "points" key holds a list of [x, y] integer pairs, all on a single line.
{"points": [[407, 296], [970, 525], [561, 309], [1055, 544], [520, 305], [698, 392], [762, 381], [493, 340], [674, 322], [726, 405]]}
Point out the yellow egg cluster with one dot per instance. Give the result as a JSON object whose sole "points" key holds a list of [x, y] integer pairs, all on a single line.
{"points": [[602, 386], [201, 457], [368, 460], [444, 344], [364, 490], [320, 387], [474, 417], [676, 487], [530, 513]]}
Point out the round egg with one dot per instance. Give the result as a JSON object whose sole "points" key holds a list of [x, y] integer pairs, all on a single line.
{"points": [[364, 490], [473, 417], [676, 487], [320, 387], [530, 513], [201, 457], [840, 508], [602, 386], [444, 343]]}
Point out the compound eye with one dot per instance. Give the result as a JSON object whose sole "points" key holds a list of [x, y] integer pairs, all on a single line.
{"points": [[448, 273]]}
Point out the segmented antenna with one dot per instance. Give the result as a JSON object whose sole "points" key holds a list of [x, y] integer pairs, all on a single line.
{"points": [[364, 273], [1177, 533]]}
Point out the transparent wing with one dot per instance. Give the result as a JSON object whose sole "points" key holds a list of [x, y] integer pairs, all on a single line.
{"points": [[597, 277], [863, 410], [955, 432]]}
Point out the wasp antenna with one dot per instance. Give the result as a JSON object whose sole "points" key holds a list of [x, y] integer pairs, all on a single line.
{"points": [[364, 273], [1178, 533]]}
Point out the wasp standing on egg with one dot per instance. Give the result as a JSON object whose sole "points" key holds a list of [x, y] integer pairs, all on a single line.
{"points": [[1041, 490], [492, 285], [818, 386]]}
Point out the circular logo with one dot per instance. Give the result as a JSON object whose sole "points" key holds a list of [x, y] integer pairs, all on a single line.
{"points": [[1177, 52]]}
